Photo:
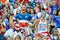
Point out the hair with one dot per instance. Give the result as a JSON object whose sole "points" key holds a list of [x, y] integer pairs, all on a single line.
{"points": [[14, 4], [58, 12], [53, 30], [25, 6], [18, 36], [39, 5], [33, 11]]}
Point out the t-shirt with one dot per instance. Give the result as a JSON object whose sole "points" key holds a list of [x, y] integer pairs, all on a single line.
{"points": [[6, 23], [53, 8], [57, 21], [42, 27], [9, 32], [25, 16]]}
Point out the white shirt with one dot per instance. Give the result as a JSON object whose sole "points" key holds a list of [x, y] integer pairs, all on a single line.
{"points": [[14, 11], [9, 32], [12, 33]]}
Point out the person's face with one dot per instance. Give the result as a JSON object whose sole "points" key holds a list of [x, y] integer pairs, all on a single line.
{"points": [[23, 9], [17, 38], [3, 16], [50, 17], [15, 5], [28, 10], [32, 11], [55, 31]]}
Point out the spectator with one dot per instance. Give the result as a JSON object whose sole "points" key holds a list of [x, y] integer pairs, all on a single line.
{"points": [[28, 10], [5, 21], [37, 7], [25, 15], [55, 18], [35, 12], [54, 7], [2, 27], [15, 8], [51, 23], [54, 34], [9, 32], [48, 7], [55, 12]]}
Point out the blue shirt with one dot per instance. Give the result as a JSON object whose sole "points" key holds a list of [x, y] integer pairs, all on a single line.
{"points": [[53, 8], [57, 21], [7, 24], [25, 16]]}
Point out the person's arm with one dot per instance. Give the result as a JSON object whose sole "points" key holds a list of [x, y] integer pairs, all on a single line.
{"points": [[54, 18], [48, 27], [11, 23]]}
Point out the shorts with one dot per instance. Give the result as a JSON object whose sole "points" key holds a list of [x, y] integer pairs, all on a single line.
{"points": [[27, 29]]}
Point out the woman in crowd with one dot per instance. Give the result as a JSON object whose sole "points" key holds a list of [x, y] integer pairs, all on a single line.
{"points": [[54, 35], [57, 21], [54, 12], [37, 7], [42, 26]]}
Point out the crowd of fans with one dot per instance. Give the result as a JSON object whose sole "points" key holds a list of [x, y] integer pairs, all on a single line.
{"points": [[43, 16]]}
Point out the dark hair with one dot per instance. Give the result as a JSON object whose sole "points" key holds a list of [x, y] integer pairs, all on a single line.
{"points": [[58, 12], [18, 36], [14, 4], [33, 10], [40, 7], [53, 30]]}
